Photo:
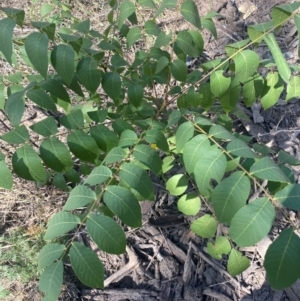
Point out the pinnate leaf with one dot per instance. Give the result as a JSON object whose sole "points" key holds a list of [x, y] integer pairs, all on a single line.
{"points": [[266, 169], [289, 196], [27, 164], [106, 233], [282, 261], [62, 59], [210, 166], [230, 196], [98, 175], [220, 246], [205, 226], [51, 281], [127, 8], [83, 146], [189, 204], [194, 150], [7, 26], [177, 184], [184, 133], [16, 136], [80, 196], [189, 10], [148, 157], [138, 179], [219, 84], [56, 155], [240, 148], [15, 107], [6, 180], [237, 263], [111, 84], [87, 265], [252, 222], [49, 254], [124, 204]]}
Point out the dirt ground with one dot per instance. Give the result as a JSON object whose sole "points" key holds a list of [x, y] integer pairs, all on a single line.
{"points": [[165, 261]]}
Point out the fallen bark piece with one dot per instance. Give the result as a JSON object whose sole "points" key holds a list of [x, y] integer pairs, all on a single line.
{"points": [[120, 294]]}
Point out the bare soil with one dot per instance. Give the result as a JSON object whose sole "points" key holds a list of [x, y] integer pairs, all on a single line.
{"points": [[164, 260]]}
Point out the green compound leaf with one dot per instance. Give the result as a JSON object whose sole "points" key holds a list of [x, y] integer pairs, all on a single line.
{"points": [[194, 150], [135, 94], [27, 164], [45, 127], [157, 137], [289, 196], [147, 3], [163, 39], [111, 84], [219, 84], [185, 42], [128, 138], [6, 180], [293, 87], [184, 133], [205, 226], [266, 169], [56, 155], [127, 8], [116, 154], [189, 204], [51, 281], [165, 4], [152, 28], [62, 59], [49, 254], [282, 66], [55, 87], [240, 148], [179, 70], [133, 35], [41, 98], [230, 196], [210, 166], [286, 158], [246, 63], [87, 265], [88, 74], [231, 97], [80, 196], [15, 107], [83, 27], [189, 11], [74, 120], [252, 222], [18, 135], [281, 13], [272, 90], [219, 247], [177, 184], [282, 261], [237, 263], [148, 157], [105, 138], [7, 26], [124, 204], [46, 27], [138, 179], [218, 131], [36, 46], [106, 233], [61, 223], [98, 175], [83, 146]]}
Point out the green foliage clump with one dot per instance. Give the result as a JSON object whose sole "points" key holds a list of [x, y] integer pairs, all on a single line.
{"points": [[102, 150]]}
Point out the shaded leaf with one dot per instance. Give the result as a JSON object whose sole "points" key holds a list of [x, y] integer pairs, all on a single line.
{"points": [[6, 180], [98, 175], [18, 135], [177, 184], [41, 98], [252, 222], [289, 196], [15, 107], [7, 26], [87, 265], [49, 254], [219, 247], [60, 224], [106, 233], [183, 134], [124, 204], [189, 10], [282, 261]]}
